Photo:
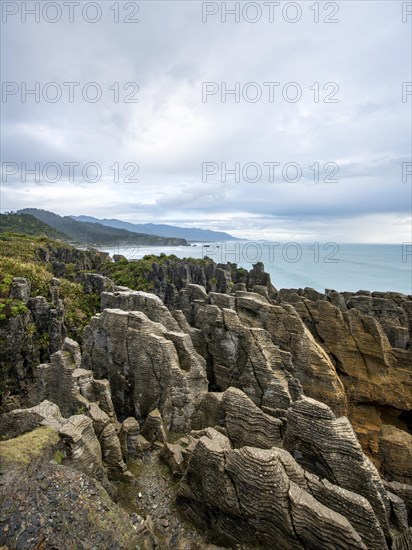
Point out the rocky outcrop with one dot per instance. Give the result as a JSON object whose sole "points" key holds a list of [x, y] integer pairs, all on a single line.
{"points": [[396, 448], [312, 366], [60, 257], [247, 425], [28, 336], [148, 366], [270, 460], [327, 446], [368, 339], [153, 429], [261, 497], [247, 358], [168, 277], [84, 452], [77, 394], [20, 421]]}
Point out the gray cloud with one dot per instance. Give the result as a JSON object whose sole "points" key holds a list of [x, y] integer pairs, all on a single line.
{"points": [[170, 132]]}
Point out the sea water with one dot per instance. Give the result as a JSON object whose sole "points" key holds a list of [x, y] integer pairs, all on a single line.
{"points": [[350, 267]]}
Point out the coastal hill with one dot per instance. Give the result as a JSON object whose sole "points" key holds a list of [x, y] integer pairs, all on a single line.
{"points": [[97, 233], [28, 224], [164, 230]]}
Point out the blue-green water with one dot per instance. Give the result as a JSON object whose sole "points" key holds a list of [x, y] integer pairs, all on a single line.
{"points": [[350, 267]]}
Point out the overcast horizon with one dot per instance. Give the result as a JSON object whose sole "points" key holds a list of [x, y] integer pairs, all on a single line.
{"points": [[354, 116]]}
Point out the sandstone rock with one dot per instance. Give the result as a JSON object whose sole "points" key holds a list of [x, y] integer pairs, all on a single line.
{"points": [[147, 365], [210, 412], [257, 276], [128, 435], [20, 289], [403, 491], [173, 456], [311, 365], [396, 451], [20, 421], [247, 425], [245, 496], [399, 512], [246, 358], [357, 342], [403, 541], [112, 454], [355, 508], [327, 446], [149, 304], [83, 448], [153, 429], [142, 445]]}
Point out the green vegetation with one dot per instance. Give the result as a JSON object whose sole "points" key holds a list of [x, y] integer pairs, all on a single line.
{"points": [[97, 233], [27, 447], [43, 341], [131, 274], [135, 274], [11, 308], [241, 272], [28, 225], [19, 257], [59, 457], [78, 306]]}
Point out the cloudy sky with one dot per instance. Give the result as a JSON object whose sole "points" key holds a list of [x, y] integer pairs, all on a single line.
{"points": [[344, 110]]}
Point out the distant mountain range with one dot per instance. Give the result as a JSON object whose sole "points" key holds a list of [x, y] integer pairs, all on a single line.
{"points": [[163, 230], [92, 233]]}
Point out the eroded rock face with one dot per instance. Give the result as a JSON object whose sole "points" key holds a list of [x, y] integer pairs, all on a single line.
{"points": [[261, 497], [368, 338], [327, 446], [311, 364], [20, 421], [84, 448], [247, 425], [27, 339], [270, 462], [246, 358], [147, 365], [77, 393], [396, 449]]}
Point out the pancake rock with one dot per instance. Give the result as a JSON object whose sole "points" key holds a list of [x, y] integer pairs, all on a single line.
{"points": [[261, 497], [148, 366]]}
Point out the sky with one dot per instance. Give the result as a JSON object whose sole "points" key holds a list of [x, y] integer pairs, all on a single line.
{"points": [[317, 134]]}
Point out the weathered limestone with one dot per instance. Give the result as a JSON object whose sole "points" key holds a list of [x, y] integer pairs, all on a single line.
{"points": [[147, 365], [153, 429], [396, 450], [368, 338], [327, 446], [246, 358], [252, 496], [128, 437], [247, 425], [20, 421], [311, 364], [84, 451], [76, 392]]}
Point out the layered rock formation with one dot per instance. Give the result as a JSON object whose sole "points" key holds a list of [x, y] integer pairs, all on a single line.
{"points": [[261, 384], [367, 336], [267, 466], [29, 337], [149, 365], [69, 399], [263, 498]]}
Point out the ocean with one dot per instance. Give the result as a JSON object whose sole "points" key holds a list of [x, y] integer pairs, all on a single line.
{"points": [[350, 267]]}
